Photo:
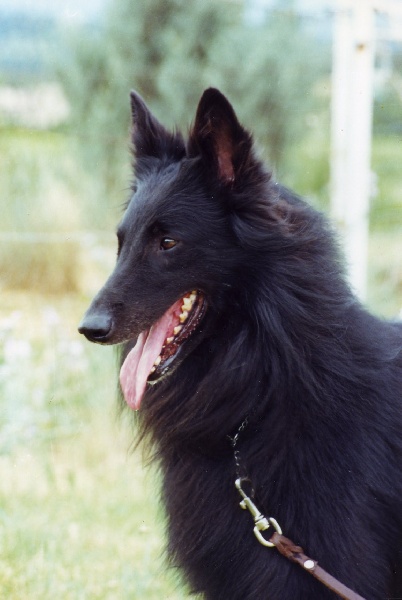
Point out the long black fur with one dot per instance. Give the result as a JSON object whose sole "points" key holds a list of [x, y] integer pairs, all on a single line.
{"points": [[285, 342]]}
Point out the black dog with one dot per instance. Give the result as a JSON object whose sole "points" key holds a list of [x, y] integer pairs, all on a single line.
{"points": [[247, 330]]}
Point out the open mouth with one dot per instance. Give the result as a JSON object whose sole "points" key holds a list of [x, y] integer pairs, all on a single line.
{"points": [[158, 348], [191, 313]]}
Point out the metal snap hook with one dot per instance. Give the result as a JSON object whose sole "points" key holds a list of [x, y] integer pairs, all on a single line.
{"points": [[261, 522]]}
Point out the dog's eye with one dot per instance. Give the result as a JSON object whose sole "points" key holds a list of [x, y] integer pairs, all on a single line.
{"points": [[167, 243]]}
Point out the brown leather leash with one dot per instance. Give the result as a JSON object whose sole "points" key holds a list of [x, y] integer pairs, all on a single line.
{"points": [[296, 555], [288, 548]]}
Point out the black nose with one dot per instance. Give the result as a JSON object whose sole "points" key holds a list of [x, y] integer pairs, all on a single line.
{"points": [[96, 327]]}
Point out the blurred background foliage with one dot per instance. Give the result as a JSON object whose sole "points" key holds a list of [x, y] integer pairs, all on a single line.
{"points": [[171, 51], [77, 518]]}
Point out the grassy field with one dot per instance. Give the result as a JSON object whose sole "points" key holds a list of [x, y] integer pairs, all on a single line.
{"points": [[79, 517]]}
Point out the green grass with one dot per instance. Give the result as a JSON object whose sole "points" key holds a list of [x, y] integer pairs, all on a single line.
{"points": [[78, 520], [78, 516], [384, 295], [45, 196]]}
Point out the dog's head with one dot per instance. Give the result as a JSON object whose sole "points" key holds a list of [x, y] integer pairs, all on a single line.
{"points": [[177, 253]]}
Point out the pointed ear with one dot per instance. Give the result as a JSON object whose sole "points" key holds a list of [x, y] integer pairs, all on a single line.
{"points": [[218, 136], [148, 136]]}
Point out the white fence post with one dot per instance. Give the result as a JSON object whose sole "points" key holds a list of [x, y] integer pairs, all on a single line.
{"points": [[351, 131]]}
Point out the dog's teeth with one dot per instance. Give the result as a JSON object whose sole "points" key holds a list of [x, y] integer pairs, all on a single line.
{"points": [[152, 370], [169, 340], [177, 329], [193, 296], [158, 360], [187, 304], [183, 316]]}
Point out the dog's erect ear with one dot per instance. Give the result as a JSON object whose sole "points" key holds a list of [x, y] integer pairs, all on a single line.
{"points": [[218, 136], [148, 136]]}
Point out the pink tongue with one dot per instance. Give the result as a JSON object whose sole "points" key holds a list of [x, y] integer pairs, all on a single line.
{"points": [[139, 361]]}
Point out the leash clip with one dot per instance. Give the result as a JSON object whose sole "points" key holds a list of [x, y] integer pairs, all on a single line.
{"points": [[261, 522]]}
